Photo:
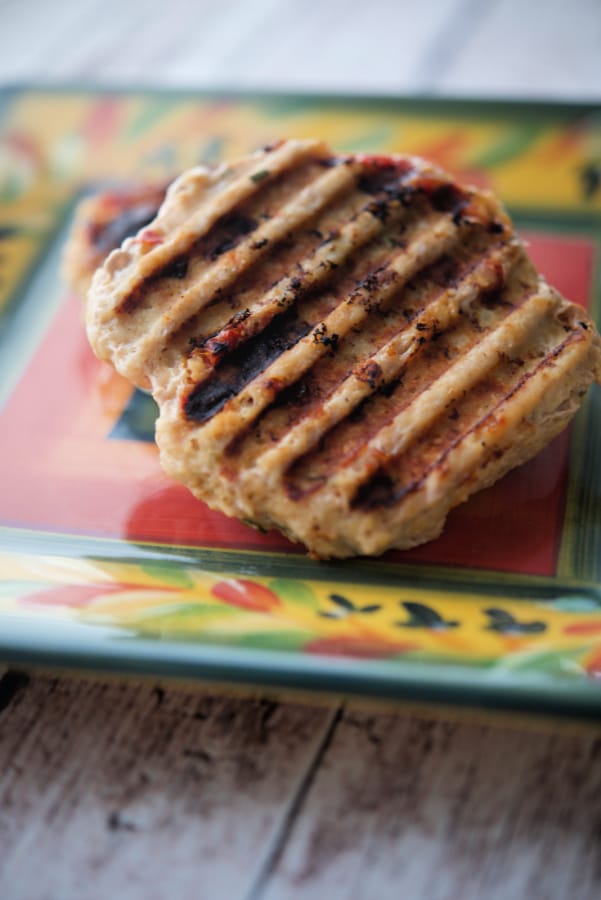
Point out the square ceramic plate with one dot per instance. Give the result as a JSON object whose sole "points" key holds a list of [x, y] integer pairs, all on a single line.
{"points": [[105, 563]]}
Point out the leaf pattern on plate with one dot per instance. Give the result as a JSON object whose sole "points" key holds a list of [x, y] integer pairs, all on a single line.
{"points": [[176, 602]]}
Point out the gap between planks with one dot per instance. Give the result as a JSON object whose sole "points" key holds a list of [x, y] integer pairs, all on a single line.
{"points": [[292, 810], [12, 682]]}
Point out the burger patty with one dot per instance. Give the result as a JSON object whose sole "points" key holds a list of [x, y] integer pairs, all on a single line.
{"points": [[103, 221], [341, 347]]}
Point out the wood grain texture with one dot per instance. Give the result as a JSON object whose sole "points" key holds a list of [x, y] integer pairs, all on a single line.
{"points": [[141, 792], [406, 807], [444, 46], [168, 792], [243, 43], [537, 49]]}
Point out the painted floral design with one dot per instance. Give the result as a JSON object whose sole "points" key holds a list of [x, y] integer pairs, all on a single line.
{"points": [[560, 637]]}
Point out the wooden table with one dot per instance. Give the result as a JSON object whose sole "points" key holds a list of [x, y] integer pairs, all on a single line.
{"points": [[140, 790], [114, 789]]}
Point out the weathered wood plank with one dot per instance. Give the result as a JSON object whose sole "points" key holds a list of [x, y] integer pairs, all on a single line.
{"points": [[528, 49], [168, 792], [256, 43], [450, 46], [249, 43], [408, 807]]}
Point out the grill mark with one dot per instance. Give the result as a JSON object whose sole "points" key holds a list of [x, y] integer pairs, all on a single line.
{"points": [[384, 176], [381, 491], [319, 268], [395, 192], [106, 236], [226, 234], [442, 194], [176, 268], [444, 272], [298, 394], [210, 396], [281, 257], [218, 323], [241, 329], [310, 313], [328, 373], [408, 425], [398, 352], [451, 199], [241, 191], [341, 321], [297, 210], [317, 430], [295, 393], [337, 448], [313, 305], [327, 268]]}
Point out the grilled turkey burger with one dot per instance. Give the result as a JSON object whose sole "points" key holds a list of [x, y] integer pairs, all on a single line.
{"points": [[341, 347]]}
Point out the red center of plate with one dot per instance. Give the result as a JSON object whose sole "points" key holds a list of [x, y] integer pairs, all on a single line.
{"points": [[65, 469]]}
